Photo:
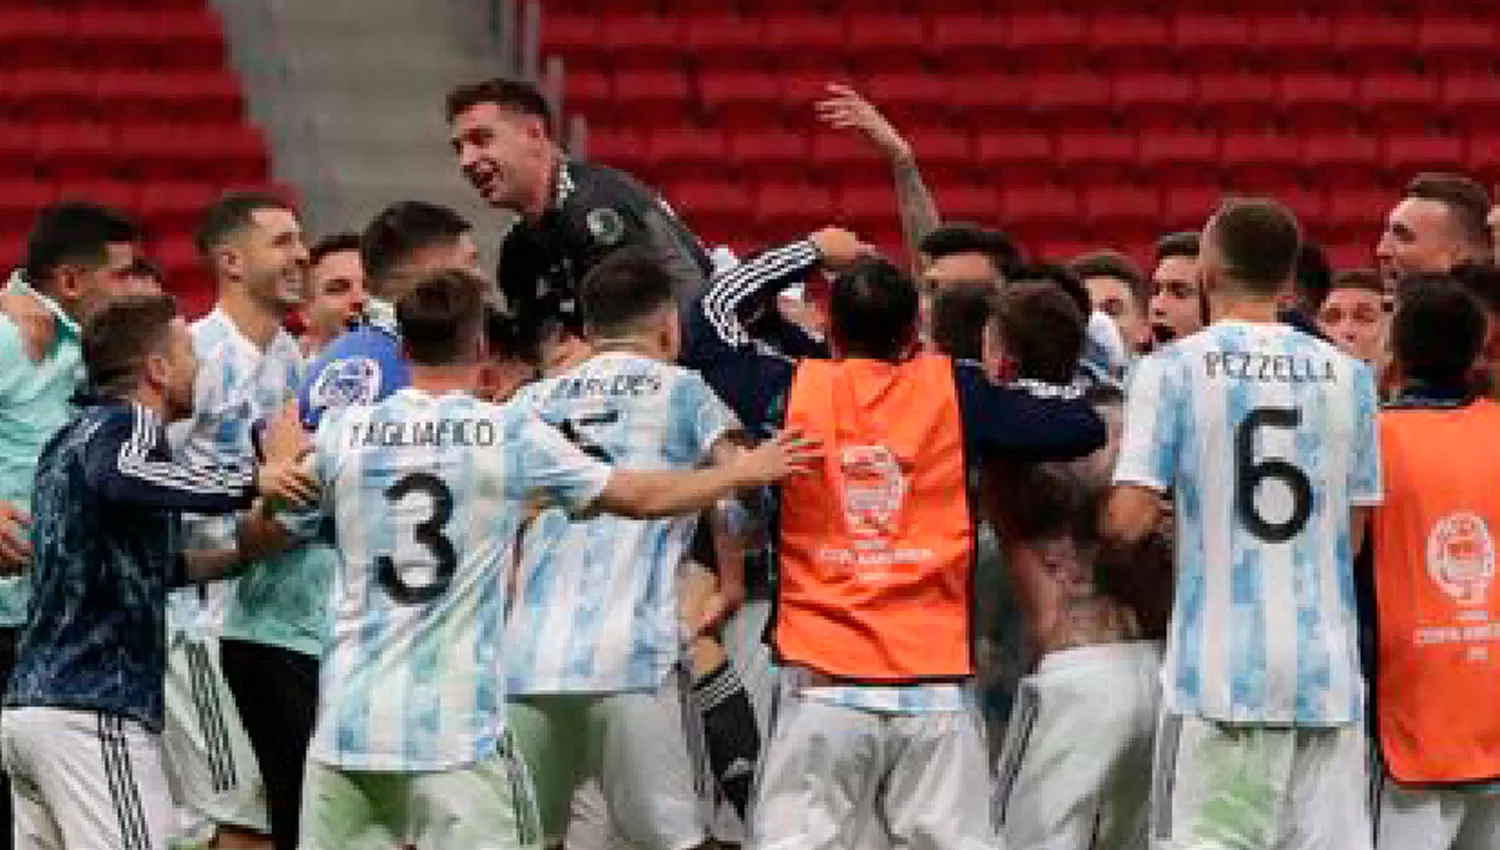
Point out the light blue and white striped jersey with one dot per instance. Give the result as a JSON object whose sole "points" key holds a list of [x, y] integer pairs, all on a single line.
{"points": [[1266, 438], [426, 495], [238, 385], [596, 606], [888, 699]]}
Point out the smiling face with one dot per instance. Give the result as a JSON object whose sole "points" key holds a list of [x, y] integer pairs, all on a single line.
{"points": [[270, 258], [1420, 236], [504, 154], [337, 293]]}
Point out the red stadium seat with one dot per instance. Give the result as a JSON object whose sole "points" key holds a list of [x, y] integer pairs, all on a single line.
{"points": [[1310, 204], [588, 92], [740, 98], [621, 147], [1472, 99], [1297, 41], [1156, 100], [75, 151], [716, 208], [1072, 98], [1398, 101], [51, 95], [16, 144], [1188, 153], [1051, 40], [1211, 40], [1003, 100], [1405, 154], [1482, 156], [1123, 208], [19, 202], [1188, 206], [775, 153], [1458, 42], [651, 95], [945, 154], [1260, 158], [575, 36], [1042, 205], [1126, 41], [794, 35], [969, 43], [726, 41], [1341, 158], [175, 207], [794, 208], [969, 203], [1238, 99], [1011, 151], [910, 97], [1088, 157], [34, 37], [867, 207], [848, 156], [686, 150], [117, 194], [644, 42], [1318, 100], [888, 43], [1375, 41]]}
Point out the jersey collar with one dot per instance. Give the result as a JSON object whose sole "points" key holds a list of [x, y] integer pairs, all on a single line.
{"points": [[1419, 394]]}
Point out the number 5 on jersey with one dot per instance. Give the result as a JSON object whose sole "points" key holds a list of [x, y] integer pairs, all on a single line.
{"points": [[429, 534]]}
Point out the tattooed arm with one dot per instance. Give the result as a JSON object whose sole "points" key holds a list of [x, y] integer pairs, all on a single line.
{"points": [[845, 109]]}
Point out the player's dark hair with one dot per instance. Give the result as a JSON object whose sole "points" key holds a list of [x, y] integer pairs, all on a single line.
{"points": [[1115, 265], [1437, 333], [1482, 280], [1314, 277], [1466, 201], [959, 316], [504, 92], [1181, 244], [1060, 277], [442, 318], [230, 214], [119, 337], [1041, 329], [1367, 280], [622, 290], [143, 267], [960, 238], [873, 310], [1257, 240], [334, 243], [402, 229], [74, 233]]}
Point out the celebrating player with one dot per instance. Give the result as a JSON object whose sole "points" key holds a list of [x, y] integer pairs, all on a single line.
{"points": [[426, 491], [84, 711], [1265, 438]]}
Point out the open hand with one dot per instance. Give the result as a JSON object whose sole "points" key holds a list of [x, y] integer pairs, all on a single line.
{"points": [[15, 538], [285, 483], [846, 109], [788, 453], [284, 439]]}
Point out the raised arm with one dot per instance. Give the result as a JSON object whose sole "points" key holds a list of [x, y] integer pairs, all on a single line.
{"points": [[845, 109]]}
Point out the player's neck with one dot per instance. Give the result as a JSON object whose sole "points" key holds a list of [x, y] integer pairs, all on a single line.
{"points": [[439, 380], [630, 345], [1263, 311], [256, 322], [546, 187]]}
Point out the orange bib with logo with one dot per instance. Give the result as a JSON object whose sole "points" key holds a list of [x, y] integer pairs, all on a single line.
{"points": [[1438, 676], [876, 546]]}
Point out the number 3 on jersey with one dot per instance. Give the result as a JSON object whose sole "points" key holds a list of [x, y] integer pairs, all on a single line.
{"points": [[1250, 474], [428, 533]]}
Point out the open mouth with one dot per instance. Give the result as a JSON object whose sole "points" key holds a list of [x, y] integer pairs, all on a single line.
{"points": [[1162, 333]]}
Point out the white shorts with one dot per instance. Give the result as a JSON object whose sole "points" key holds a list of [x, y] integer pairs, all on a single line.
{"points": [[82, 780], [484, 806], [1229, 787], [215, 779], [1435, 819], [1077, 752], [836, 778], [636, 744]]}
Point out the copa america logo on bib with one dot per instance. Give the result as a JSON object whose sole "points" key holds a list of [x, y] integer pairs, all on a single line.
{"points": [[1461, 557], [874, 489], [347, 382]]}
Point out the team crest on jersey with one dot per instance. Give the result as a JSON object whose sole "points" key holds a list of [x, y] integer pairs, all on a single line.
{"points": [[348, 382], [1461, 557], [606, 226], [874, 489]]}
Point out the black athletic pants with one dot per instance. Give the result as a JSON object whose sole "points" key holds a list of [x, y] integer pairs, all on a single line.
{"points": [[276, 692]]}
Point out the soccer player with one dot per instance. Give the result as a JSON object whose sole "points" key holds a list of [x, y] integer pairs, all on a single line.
{"points": [[84, 709], [402, 243], [594, 635], [1354, 317], [336, 290], [264, 628], [1079, 741], [570, 214], [1439, 223], [1119, 291], [1178, 306], [426, 490], [877, 734], [77, 258], [1434, 550], [1265, 437]]}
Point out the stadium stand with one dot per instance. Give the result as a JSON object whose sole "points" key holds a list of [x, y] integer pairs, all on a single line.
{"points": [[1037, 103]]}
